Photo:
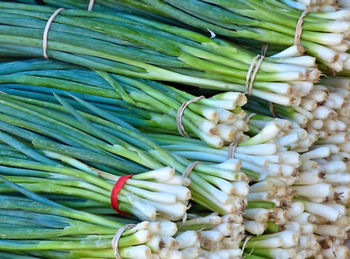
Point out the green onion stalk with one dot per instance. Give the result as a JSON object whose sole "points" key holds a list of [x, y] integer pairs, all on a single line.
{"points": [[143, 103], [59, 132], [41, 229], [324, 35], [219, 237], [134, 46]]}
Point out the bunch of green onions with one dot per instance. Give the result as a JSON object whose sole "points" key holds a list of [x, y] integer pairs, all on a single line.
{"points": [[100, 142], [134, 46], [46, 230], [324, 35], [142, 103], [270, 166]]}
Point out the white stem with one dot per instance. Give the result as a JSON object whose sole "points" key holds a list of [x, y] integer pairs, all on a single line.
{"points": [[304, 218], [187, 239], [318, 95], [225, 116], [293, 226], [316, 153], [179, 180], [333, 167], [259, 149], [230, 165], [211, 235], [310, 177], [211, 220], [338, 178], [256, 228], [225, 229], [295, 209], [226, 132], [262, 186], [182, 193], [191, 253], [289, 52], [282, 253], [240, 188], [169, 254], [320, 190], [308, 228], [330, 230], [210, 114], [260, 196], [302, 88], [290, 158], [322, 210], [257, 214], [140, 252]]}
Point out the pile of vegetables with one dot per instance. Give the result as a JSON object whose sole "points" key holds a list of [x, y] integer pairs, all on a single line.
{"points": [[166, 129]]}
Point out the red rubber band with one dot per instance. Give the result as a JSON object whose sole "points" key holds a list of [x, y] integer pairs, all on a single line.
{"points": [[115, 191]]}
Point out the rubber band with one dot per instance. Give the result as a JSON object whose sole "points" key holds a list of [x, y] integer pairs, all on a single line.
{"points": [[253, 70], [115, 191], [272, 110], [244, 245], [180, 112], [91, 5], [46, 31], [117, 236], [190, 168], [299, 31], [248, 117], [232, 149]]}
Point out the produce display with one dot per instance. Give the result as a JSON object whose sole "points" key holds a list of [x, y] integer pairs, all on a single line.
{"points": [[174, 129]]}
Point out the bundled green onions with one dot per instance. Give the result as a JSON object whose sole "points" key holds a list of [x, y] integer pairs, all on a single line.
{"points": [[138, 47], [265, 159], [142, 103], [88, 138], [323, 35], [49, 231]]}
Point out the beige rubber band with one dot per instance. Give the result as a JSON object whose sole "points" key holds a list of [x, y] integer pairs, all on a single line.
{"points": [[253, 70], [117, 236], [272, 110], [244, 245], [46, 31], [190, 168], [180, 113], [248, 117], [232, 149], [247, 78], [299, 31], [91, 5]]}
